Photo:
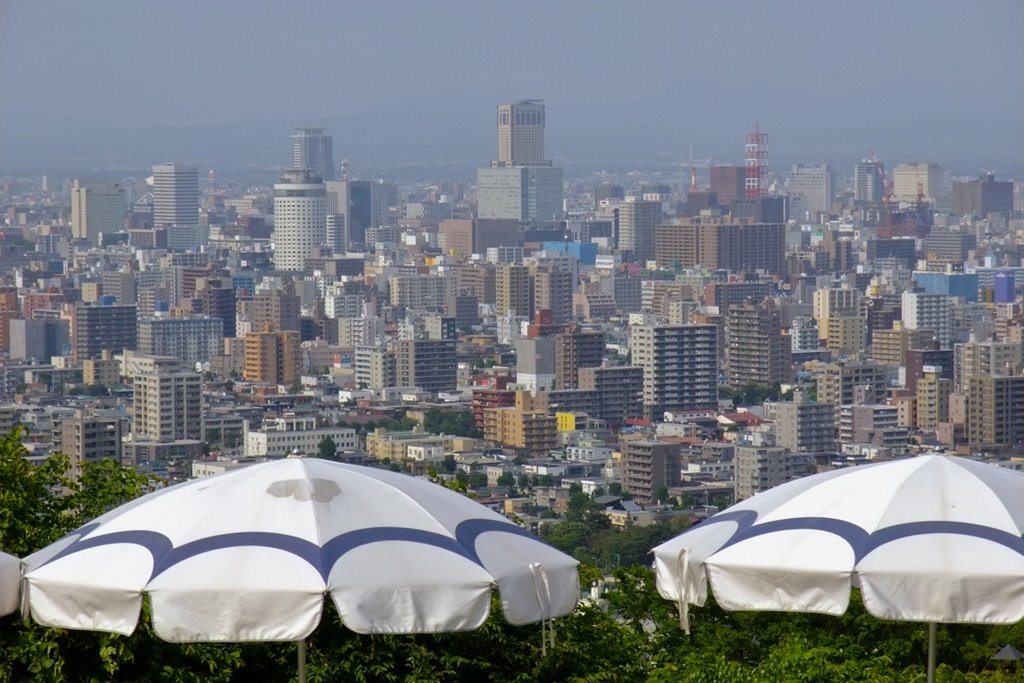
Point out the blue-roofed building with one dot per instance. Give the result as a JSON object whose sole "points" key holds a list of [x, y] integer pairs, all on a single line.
{"points": [[584, 252], [962, 285]]}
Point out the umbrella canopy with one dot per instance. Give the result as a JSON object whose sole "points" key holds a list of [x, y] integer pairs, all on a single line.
{"points": [[934, 539], [10, 578], [250, 555]]}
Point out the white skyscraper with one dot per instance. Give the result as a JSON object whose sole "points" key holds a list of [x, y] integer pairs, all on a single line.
{"points": [[300, 218], [810, 191], [313, 151], [96, 208], [175, 195], [176, 205]]}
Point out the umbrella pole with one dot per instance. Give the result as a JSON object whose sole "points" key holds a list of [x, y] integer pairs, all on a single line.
{"points": [[932, 629], [302, 660]]}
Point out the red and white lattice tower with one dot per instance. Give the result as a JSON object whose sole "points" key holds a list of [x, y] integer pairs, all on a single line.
{"points": [[757, 163]]}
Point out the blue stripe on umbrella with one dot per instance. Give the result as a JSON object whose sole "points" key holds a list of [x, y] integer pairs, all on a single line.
{"points": [[165, 555], [861, 542]]}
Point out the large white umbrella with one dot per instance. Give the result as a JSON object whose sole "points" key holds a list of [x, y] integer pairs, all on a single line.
{"points": [[251, 554], [10, 578], [934, 539]]}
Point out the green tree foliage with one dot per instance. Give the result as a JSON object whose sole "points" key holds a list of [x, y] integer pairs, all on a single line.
{"points": [[327, 449], [751, 394], [461, 423]]}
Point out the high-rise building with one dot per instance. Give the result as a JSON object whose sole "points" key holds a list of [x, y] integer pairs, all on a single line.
{"points": [[620, 391], [810, 191], [759, 468], [926, 179], [923, 311], [95, 329], [96, 209], [312, 150], [869, 182], [522, 193], [512, 291], [680, 364], [756, 351], [728, 183], [804, 426], [722, 242], [167, 406], [427, 364], [355, 206], [535, 363], [638, 221], [88, 437], [39, 339], [276, 310], [995, 411], [520, 184], [194, 339], [574, 350], [300, 218], [553, 289], [175, 195], [983, 196], [272, 357], [647, 466], [521, 133]]}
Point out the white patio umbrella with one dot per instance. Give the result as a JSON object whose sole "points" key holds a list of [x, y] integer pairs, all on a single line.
{"points": [[250, 555], [935, 539], [10, 578]]}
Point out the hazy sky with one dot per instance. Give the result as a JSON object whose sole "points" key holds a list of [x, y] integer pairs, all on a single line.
{"points": [[191, 61]]}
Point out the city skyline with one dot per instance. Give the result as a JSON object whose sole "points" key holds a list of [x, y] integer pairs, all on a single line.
{"points": [[606, 104]]}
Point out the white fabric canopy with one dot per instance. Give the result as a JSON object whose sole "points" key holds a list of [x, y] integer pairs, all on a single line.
{"points": [[931, 539], [10, 579], [249, 555]]}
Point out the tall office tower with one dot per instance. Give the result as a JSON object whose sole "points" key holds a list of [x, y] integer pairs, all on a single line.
{"points": [[427, 364], [96, 209], [521, 134], [728, 183], [272, 357], [176, 206], [313, 151], [512, 291], [756, 352], [923, 311], [167, 405], [927, 178], [520, 184], [810, 191], [300, 218], [680, 365], [355, 206], [983, 196], [95, 329], [638, 221], [869, 182], [175, 195], [218, 301]]}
